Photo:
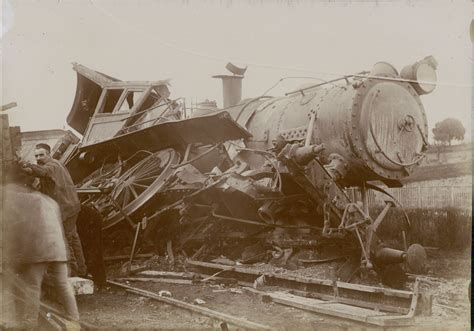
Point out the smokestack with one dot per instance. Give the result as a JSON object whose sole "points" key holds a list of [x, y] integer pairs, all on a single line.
{"points": [[232, 85]]}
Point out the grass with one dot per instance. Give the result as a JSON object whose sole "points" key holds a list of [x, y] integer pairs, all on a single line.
{"points": [[439, 171]]}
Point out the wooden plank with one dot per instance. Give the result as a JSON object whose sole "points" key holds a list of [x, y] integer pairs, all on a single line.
{"points": [[201, 310], [167, 274], [404, 320], [353, 302], [373, 289], [305, 280], [349, 286], [223, 267], [336, 309], [225, 280], [157, 280]]}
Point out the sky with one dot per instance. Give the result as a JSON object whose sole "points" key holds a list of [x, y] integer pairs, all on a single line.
{"points": [[189, 41]]}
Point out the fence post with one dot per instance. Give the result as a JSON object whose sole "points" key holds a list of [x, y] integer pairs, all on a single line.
{"points": [[452, 197], [420, 198]]}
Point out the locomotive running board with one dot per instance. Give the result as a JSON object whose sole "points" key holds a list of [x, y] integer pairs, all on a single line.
{"points": [[367, 304]]}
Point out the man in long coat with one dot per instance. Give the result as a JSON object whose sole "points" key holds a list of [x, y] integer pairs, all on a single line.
{"points": [[33, 244]]}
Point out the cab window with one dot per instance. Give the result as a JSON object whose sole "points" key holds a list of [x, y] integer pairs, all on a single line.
{"points": [[131, 99], [110, 101]]}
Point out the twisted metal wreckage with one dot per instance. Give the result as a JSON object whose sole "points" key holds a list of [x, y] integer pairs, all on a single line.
{"points": [[263, 179]]}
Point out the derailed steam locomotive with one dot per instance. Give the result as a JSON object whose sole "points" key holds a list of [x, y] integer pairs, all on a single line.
{"points": [[262, 179]]}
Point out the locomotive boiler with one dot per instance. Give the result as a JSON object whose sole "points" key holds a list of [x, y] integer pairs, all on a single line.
{"points": [[266, 172], [376, 123]]}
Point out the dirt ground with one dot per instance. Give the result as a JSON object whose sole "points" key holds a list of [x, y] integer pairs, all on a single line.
{"points": [[447, 280]]}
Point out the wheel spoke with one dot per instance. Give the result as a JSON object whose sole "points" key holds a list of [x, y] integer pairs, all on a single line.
{"points": [[146, 178], [126, 198], [118, 199], [140, 185], [149, 176], [148, 172], [133, 191], [118, 190], [154, 162], [146, 167]]}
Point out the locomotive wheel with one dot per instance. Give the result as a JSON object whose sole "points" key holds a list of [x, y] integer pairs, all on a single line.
{"points": [[138, 185], [102, 174]]}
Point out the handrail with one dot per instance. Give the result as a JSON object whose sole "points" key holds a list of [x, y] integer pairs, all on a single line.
{"points": [[154, 120]]}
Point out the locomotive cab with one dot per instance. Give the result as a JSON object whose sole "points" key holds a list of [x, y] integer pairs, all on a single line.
{"points": [[105, 107]]}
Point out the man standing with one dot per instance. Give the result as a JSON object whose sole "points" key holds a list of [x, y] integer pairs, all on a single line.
{"points": [[89, 228], [56, 182], [34, 244]]}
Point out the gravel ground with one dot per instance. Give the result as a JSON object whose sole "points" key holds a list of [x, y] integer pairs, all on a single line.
{"points": [[447, 280]]}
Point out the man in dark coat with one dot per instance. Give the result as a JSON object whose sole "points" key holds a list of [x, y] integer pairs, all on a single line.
{"points": [[56, 182]]}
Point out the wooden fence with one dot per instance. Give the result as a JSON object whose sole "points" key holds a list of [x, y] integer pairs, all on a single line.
{"points": [[459, 197], [440, 216]]}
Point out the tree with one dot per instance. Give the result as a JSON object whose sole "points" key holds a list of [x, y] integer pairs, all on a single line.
{"points": [[448, 130]]}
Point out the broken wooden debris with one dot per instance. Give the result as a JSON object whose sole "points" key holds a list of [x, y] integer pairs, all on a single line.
{"points": [[81, 286], [126, 257], [322, 260], [447, 307], [259, 282], [166, 274], [223, 260], [223, 280], [212, 276], [424, 279], [169, 249], [128, 270], [386, 299], [198, 301], [164, 293], [235, 291], [199, 252], [237, 321]]}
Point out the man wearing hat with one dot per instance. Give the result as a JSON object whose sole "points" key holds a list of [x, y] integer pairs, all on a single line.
{"points": [[56, 182]]}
